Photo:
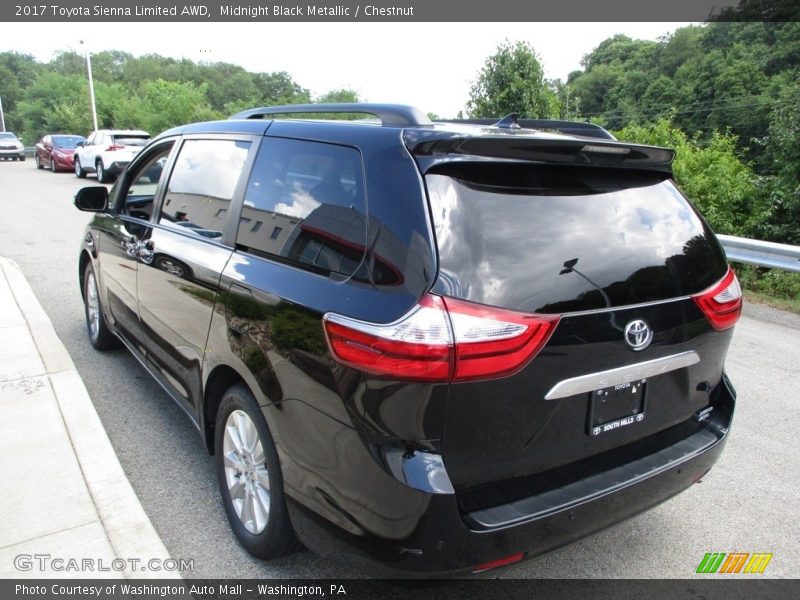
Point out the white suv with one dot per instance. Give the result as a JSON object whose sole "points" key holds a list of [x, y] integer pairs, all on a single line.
{"points": [[108, 151]]}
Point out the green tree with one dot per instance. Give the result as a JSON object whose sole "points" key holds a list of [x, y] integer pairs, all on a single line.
{"points": [[684, 44], [53, 103], [343, 95], [620, 50], [165, 104], [226, 85], [783, 156], [17, 72], [512, 80], [279, 88]]}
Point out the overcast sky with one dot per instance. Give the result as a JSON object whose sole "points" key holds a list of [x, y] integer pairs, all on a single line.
{"points": [[429, 65]]}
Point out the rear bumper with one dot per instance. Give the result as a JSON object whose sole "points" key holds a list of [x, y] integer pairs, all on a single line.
{"points": [[449, 540], [117, 166]]}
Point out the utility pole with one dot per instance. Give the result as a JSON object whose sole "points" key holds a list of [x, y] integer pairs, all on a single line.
{"points": [[2, 116], [91, 84]]}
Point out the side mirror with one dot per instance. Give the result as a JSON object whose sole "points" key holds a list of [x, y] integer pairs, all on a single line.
{"points": [[80, 144], [91, 199]]}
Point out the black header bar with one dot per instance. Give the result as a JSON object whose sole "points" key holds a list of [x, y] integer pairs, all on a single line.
{"points": [[372, 11], [713, 587]]}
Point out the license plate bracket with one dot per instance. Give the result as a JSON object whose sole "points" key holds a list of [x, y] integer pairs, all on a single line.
{"points": [[616, 406]]}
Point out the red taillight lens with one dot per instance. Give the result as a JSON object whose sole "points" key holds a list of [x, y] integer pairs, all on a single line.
{"points": [[418, 346], [114, 147], [722, 302], [493, 342], [441, 339]]}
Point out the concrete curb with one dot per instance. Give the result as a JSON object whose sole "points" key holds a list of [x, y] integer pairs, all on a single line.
{"points": [[127, 527]]}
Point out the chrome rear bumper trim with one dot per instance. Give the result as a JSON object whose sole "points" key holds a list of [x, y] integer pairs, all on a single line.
{"points": [[602, 379]]}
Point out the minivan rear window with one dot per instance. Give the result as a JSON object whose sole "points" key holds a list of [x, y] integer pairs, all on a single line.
{"points": [[554, 239]]}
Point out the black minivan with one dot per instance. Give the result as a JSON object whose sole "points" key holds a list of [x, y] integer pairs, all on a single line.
{"points": [[430, 348]]}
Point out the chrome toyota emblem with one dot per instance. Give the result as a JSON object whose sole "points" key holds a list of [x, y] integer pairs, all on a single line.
{"points": [[638, 335]]}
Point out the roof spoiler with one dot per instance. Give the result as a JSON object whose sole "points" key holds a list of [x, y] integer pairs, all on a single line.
{"points": [[432, 148]]}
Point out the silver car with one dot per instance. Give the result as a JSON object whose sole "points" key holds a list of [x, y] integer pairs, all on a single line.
{"points": [[11, 147]]}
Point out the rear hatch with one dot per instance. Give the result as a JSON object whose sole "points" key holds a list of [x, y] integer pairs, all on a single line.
{"points": [[606, 241]]}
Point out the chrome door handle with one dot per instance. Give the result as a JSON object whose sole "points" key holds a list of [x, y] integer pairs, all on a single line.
{"points": [[145, 251], [131, 245]]}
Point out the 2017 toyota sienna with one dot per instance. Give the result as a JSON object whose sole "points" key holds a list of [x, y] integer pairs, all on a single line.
{"points": [[431, 348]]}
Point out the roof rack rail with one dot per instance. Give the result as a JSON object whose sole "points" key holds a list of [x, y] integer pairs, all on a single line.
{"points": [[390, 115], [567, 127]]}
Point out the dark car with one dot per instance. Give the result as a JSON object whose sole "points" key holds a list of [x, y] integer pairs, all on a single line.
{"points": [[56, 152], [429, 348]]}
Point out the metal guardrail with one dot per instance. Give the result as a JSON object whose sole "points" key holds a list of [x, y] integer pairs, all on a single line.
{"points": [[762, 254]]}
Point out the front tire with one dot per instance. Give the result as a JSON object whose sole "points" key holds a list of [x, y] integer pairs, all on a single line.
{"points": [[250, 479], [36, 160], [100, 335], [79, 171]]}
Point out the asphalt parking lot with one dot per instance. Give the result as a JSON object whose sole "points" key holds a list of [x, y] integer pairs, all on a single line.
{"points": [[748, 503]]}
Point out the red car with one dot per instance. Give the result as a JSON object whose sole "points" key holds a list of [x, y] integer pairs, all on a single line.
{"points": [[56, 152]]}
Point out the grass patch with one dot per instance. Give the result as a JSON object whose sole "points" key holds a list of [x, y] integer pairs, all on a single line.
{"points": [[779, 303], [779, 289]]}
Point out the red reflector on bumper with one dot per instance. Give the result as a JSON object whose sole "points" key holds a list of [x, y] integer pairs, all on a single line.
{"points": [[500, 562]]}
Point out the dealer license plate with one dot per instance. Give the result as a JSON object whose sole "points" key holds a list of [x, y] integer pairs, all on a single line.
{"points": [[616, 406]]}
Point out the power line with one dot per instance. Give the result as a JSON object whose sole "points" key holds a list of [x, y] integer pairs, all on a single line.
{"points": [[668, 108]]}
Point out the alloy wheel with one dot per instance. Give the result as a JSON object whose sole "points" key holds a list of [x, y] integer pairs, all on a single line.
{"points": [[246, 473], [92, 306]]}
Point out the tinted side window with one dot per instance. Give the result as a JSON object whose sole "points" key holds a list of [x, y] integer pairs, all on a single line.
{"points": [[202, 185], [305, 205]]}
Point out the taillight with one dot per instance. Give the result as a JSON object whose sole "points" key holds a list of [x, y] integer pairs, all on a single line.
{"points": [[722, 302], [492, 342], [417, 346], [441, 339], [114, 147]]}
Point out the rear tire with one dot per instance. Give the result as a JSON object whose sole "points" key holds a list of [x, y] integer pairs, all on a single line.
{"points": [[102, 174], [52, 165], [100, 335], [250, 479], [79, 172]]}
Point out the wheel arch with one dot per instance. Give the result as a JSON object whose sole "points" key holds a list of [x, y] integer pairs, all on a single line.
{"points": [[84, 259], [221, 378]]}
